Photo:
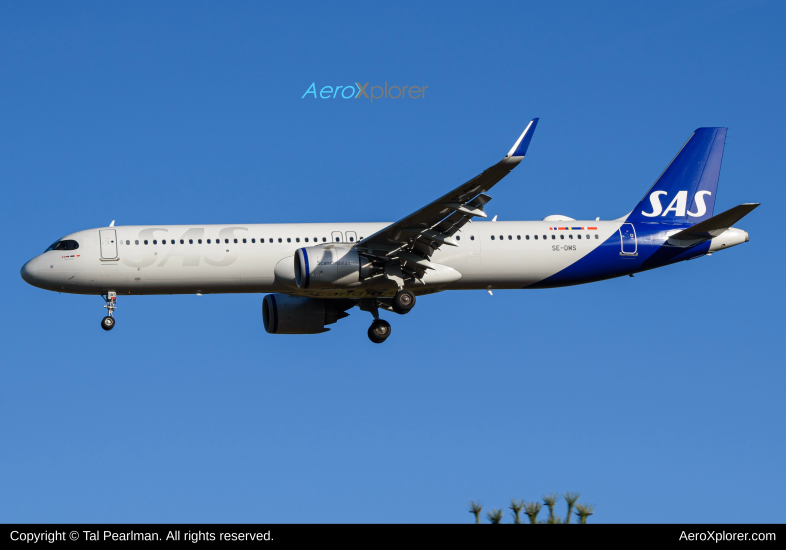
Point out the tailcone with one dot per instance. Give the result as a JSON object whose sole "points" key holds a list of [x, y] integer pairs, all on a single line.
{"points": [[731, 237]]}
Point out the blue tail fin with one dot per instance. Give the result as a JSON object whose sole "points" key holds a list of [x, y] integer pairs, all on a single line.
{"points": [[685, 191]]}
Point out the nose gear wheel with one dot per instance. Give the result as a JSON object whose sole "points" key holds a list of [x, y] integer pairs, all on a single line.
{"points": [[108, 322]]}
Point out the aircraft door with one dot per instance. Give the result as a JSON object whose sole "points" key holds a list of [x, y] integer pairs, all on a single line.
{"points": [[352, 236], [628, 240], [336, 237], [108, 244]]}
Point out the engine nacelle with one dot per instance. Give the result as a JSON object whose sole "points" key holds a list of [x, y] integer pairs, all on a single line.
{"points": [[284, 314], [330, 267]]}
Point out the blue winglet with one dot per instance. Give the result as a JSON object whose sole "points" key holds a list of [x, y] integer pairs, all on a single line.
{"points": [[522, 144]]}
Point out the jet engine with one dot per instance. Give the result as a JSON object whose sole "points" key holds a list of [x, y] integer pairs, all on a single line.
{"points": [[284, 314], [318, 267]]}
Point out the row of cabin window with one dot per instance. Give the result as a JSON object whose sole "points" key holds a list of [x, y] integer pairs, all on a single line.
{"points": [[226, 241], [526, 237]]}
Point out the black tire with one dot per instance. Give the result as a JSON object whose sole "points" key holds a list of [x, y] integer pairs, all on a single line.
{"points": [[379, 331], [108, 323], [403, 302]]}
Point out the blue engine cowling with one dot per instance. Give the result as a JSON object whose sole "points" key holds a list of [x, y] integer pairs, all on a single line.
{"points": [[318, 267]]}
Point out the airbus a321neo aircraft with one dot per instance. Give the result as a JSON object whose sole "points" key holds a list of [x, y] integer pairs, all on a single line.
{"points": [[316, 272]]}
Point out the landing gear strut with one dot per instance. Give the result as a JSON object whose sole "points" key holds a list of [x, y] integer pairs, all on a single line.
{"points": [[379, 330], [108, 322]]}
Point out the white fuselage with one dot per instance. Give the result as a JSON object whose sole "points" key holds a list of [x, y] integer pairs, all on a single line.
{"points": [[183, 259]]}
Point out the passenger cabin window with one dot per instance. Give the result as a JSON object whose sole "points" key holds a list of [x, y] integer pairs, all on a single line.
{"points": [[289, 240], [536, 237], [562, 237], [306, 239], [458, 237], [579, 236], [528, 237], [128, 242], [553, 236], [492, 237], [279, 239], [518, 237], [136, 242], [570, 236], [208, 241], [199, 241], [155, 241], [510, 237], [472, 237], [145, 241], [297, 239], [596, 236], [244, 241], [271, 240], [324, 239], [190, 241], [182, 241], [235, 240], [253, 241]]}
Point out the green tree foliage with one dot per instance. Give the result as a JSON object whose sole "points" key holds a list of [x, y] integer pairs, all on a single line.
{"points": [[517, 506], [495, 516], [475, 508], [532, 509]]}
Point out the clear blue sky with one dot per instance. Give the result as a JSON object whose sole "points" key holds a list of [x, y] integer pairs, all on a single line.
{"points": [[659, 398]]}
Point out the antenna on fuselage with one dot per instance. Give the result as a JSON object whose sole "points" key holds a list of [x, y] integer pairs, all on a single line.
{"points": [[112, 224]]}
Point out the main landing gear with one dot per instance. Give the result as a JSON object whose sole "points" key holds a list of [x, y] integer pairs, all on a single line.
{"points": [[402, 303], [379, 331], [108, 322]]}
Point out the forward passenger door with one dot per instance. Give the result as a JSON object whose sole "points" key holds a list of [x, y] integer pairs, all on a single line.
{"points": [[108, 239]]}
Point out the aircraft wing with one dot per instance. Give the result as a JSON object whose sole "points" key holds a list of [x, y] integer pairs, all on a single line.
{"points": [[412, 240]]}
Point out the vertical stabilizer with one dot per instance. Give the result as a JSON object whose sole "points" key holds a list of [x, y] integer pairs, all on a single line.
{"points": [[685, 191]]}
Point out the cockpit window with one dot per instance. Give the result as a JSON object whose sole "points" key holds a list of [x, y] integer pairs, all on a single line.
{"points": [[63, 245]]}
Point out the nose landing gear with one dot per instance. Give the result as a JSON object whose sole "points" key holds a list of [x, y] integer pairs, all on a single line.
{"points": [[108, 322]]}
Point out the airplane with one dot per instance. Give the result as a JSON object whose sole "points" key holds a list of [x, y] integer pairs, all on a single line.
{"points": [[316, 272]]}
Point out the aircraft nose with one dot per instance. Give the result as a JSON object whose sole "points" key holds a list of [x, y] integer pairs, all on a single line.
{"points": [[29, 271]]}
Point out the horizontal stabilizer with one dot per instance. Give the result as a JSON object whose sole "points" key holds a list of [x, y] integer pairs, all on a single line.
{"points": [[711, 227]]}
